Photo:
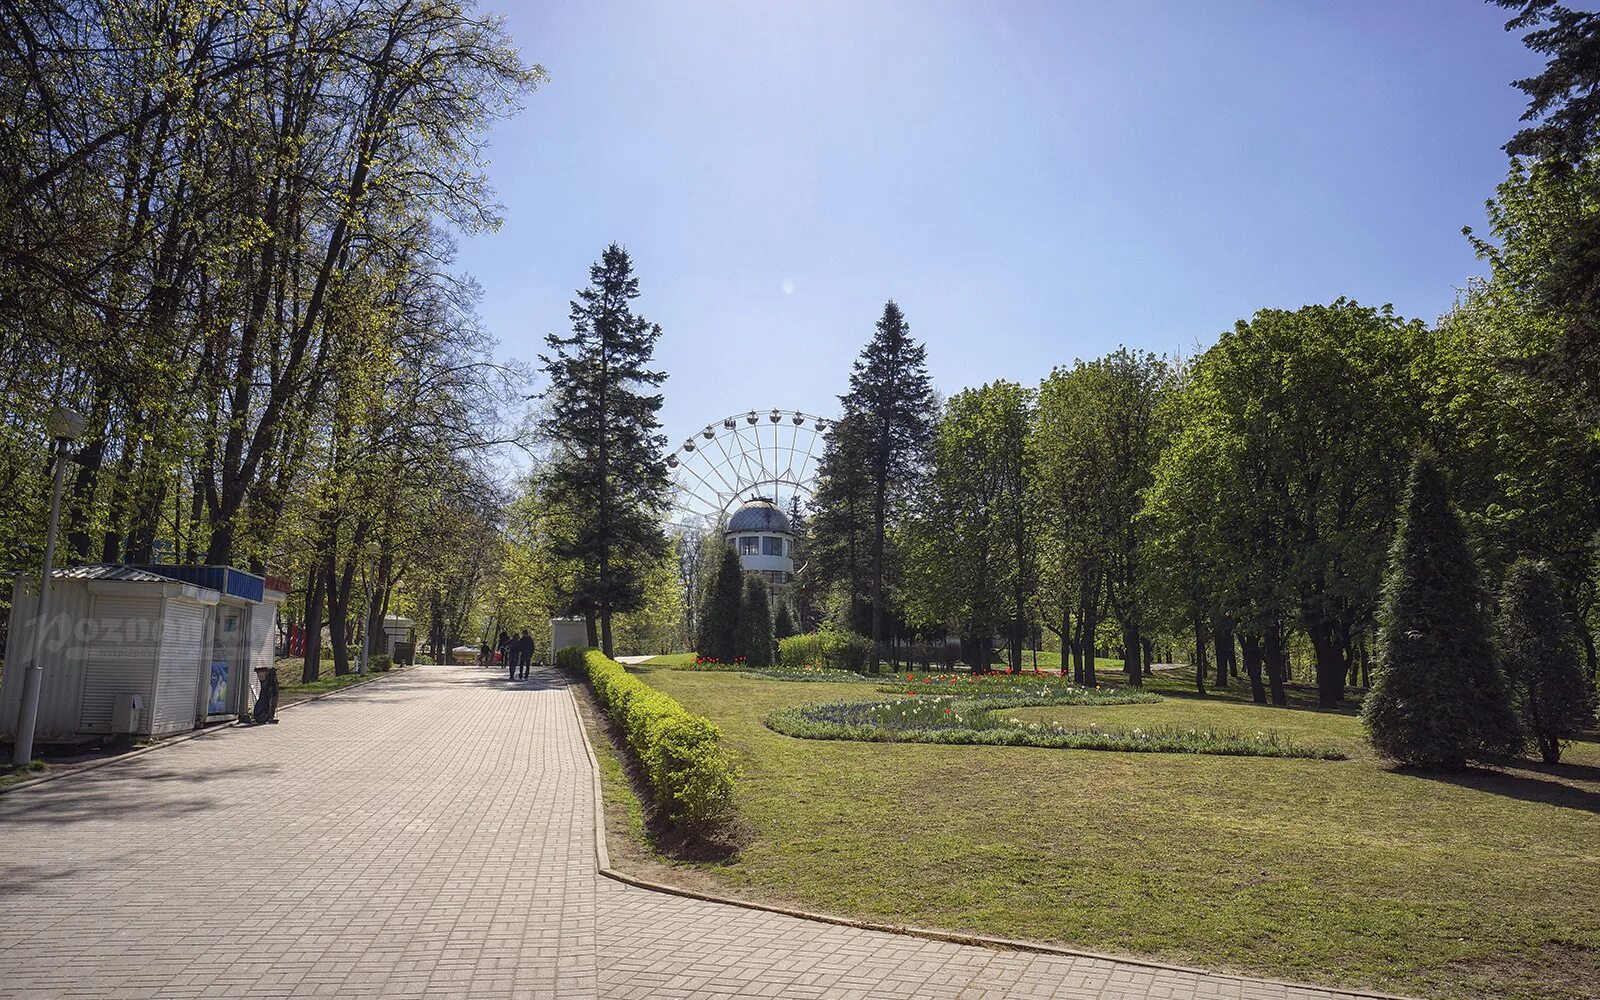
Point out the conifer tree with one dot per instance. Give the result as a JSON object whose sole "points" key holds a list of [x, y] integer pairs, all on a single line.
{"points": [[607, 464], [755, 624], [719, 616], [782, 621], [1552, 693], [1438, 698], [892, 398]]}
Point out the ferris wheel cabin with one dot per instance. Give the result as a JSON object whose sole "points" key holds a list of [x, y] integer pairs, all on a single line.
{"points": [[764, 541]]}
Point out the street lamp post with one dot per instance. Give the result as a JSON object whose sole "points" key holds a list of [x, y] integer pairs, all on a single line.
{"points": [[372, 549], [64, 426]]}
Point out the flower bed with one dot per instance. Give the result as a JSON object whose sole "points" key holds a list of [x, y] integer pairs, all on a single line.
{"points": [[1028, 681], [808, 674], [970, 718]]}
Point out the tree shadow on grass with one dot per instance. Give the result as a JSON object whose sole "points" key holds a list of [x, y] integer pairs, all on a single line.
{"points": [[1522, 785]]}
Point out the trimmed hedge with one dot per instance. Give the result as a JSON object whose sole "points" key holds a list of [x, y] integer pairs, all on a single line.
{"points": [[827, 648], [690, 774]]}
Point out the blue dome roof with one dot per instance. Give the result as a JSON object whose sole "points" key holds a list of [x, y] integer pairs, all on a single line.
{"points": [[759, 514]]}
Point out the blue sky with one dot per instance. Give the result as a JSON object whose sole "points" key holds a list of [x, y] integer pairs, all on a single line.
{"points": [[1031, 182]]}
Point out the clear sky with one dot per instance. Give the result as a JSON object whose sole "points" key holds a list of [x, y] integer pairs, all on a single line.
{"points": [[1032, 182]]}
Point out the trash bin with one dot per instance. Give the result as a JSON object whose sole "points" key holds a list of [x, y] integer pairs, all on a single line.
{"points": [[267, 701]]}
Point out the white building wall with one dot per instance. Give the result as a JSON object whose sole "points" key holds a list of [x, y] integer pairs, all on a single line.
{"points": [[62, 659]]}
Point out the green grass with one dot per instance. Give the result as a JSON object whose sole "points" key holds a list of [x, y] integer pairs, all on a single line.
{"points": [[1352, 873], [10, 774], [289, 674], [671, 660]]}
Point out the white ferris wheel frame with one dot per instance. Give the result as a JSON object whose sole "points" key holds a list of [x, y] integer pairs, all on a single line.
{"points": [[760, 452]]}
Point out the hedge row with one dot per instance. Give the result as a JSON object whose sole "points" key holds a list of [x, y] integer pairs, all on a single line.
{"points": [[833, 650], [690, 774]]}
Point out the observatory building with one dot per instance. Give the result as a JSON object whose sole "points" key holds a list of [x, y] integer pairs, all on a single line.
{"points": [[760, 533]]}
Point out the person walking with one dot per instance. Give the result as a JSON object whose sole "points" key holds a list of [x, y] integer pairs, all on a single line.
{"points": [[513, 655], [502, 645], [525, 647]]}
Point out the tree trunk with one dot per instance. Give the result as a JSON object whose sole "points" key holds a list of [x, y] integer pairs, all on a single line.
{"points": [[1149, 656], [1222, 639], [1131, 649], [1250, 646], [1330, 664], [313, 651], [1277, 662], [1199, 654]]}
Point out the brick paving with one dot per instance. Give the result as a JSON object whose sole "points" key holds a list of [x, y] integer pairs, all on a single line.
{"points": [[428, 835]]}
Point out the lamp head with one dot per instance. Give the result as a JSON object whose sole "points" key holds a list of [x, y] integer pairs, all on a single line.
{"points": [[65, 424]]}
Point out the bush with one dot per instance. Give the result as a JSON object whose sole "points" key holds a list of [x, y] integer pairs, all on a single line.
{"points": [[755, 623], [1438, 698], [690, 774], [1554, 696], [381, 663], [827, 648]]}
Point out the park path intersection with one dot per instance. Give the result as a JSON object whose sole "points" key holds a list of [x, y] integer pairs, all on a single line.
{"points": [[429, 835]]}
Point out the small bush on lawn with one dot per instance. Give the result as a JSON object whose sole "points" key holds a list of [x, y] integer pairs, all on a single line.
{"points": [[382, 663], [690, 774], [827, 648]]}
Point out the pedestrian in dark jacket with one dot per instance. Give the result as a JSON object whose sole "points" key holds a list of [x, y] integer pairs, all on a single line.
{"points": [[508, 656], [525, 645]]}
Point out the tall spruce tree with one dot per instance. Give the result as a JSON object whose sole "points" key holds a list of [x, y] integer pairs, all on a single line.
{"points": [[839, 532], [1438, 698], [755, 623], [892, 400], [1553, 695], [607, 464], [719, 615]]}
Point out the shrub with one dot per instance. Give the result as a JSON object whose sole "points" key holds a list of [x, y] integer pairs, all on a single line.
{"points": [[1553, 695], [571, 659], [719, 614], [689, 773], [783, 620], [381, 663], [827, 648], [1438, 698], [755, 623]]}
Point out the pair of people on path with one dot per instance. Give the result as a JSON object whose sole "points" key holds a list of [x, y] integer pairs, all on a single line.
{"points": [[518, 654]]}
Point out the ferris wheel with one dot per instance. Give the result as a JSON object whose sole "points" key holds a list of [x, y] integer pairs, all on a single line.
{"points": [[771, 453]]}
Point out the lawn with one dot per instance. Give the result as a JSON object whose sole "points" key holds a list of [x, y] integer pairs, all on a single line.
{"points": [[290, 688], [1333, 872]]}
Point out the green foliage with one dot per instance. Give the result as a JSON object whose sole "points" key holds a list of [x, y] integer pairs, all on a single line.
{"points": [[690, 774], [783, 621], [719, 615], [972, 553], [1554, 697], [828, 648], [382, 663], [1438, 697], [755, 623]]}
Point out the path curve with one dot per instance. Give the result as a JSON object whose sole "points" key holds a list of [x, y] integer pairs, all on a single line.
{"points": [[428, 835]]}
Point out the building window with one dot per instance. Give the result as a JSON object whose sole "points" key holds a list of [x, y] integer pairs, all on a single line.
{"points": [[749, 546], [771, 546]]}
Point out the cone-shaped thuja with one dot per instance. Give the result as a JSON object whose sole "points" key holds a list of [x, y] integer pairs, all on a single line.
{"points": [[1539, 647], [1438, 698]]}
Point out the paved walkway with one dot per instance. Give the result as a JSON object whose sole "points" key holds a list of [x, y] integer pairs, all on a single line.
{"points": [[429, 835]]}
